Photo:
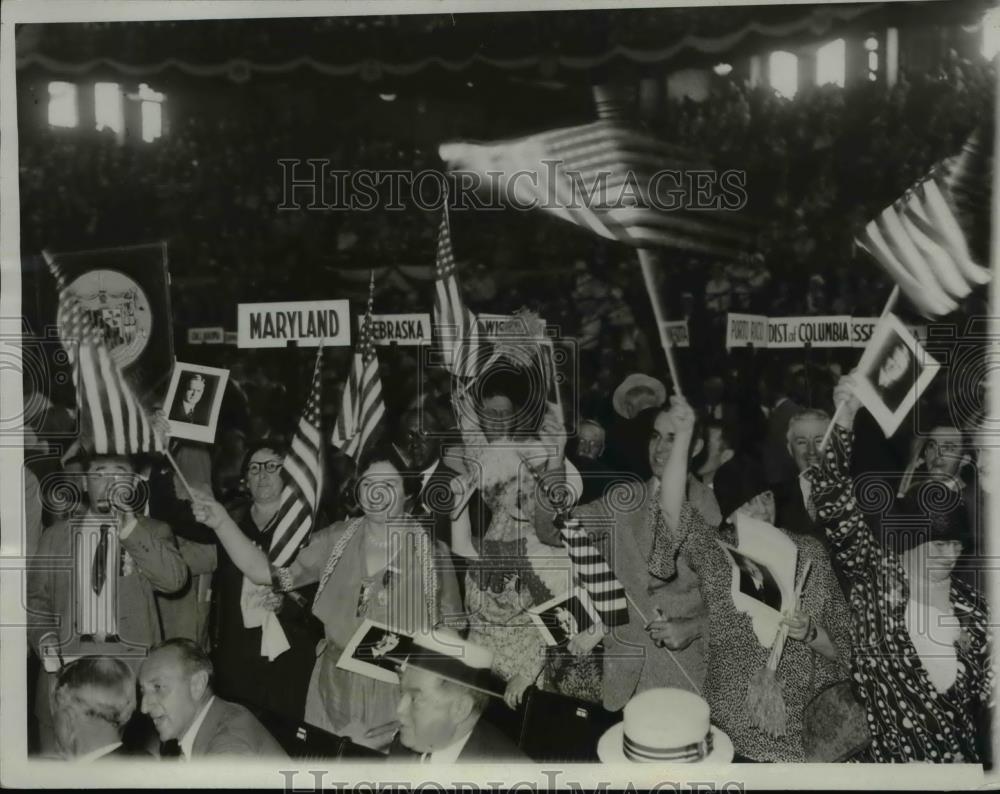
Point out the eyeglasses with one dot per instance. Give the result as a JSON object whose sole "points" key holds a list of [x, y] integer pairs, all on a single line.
{"points": [[270, 466]]}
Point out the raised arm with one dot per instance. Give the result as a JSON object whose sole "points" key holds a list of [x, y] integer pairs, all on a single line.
{"points": [[241, 550], [854, 546]]}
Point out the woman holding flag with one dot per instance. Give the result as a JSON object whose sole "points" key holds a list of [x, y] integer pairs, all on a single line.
{"points": [[764, 722], [376, 566]]}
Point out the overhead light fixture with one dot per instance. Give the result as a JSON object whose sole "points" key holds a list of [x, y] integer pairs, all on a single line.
{"points": [[470, 84], [387, 97], [722, 69]]}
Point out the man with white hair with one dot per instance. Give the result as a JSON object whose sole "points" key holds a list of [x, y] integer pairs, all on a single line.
{"points": [[793, 501], [93, 700]]}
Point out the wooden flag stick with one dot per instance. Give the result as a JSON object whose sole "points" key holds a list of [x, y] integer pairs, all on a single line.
{"points": [[889, 305], [647, 261], [183, 479], [646, 623]]}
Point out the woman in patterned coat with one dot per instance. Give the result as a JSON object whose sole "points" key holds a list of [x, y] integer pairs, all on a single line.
{"points": [[378, 566], [920, 644], [816, 654]]}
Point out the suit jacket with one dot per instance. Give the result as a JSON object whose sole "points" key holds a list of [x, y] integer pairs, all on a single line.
{"points": [[488, 743], [158, 568], [231, 729], [199, 415], [778, 464]]}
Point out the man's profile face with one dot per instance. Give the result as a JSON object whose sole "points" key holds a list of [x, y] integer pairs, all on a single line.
{"points": [[168, 693], [195, 388], [804, 439], [427, 711]]}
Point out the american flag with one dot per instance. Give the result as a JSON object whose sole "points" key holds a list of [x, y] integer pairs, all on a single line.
{"points": [[456, 325], [593, 572], [303, 468], [600, 176], [918, 241], [361, 407], [112, 417]]}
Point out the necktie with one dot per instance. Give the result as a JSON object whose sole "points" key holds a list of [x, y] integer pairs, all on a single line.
{"points": [[811, 506], [170, 749], [99, 567]]}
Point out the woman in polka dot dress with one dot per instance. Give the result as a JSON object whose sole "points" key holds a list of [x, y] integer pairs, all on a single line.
{"points": [[920, 655]]}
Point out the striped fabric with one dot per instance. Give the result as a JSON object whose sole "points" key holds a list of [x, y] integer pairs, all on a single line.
{"points": [[112, 417], [918, 241], [303, 469], [361, 407], [455, 324], [601, 176], [593, 572]]}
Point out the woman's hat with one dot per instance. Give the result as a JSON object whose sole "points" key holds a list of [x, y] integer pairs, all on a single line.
{"points": [[930, 512], [637, 381], [736, 482], [665, 725]]}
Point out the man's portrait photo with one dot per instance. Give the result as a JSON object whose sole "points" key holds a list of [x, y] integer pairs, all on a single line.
{"points": [[756, 580], [194, 399], [893, 373], [376, 651], [565, 616]]}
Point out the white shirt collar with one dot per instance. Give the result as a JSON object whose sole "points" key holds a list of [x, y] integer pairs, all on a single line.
{"points": [[187, 743], [805, 486], [449, 754], [100, 752]]}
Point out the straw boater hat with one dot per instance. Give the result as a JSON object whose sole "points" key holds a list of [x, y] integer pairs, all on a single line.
{"points": [[634, 381], [665, 726]]}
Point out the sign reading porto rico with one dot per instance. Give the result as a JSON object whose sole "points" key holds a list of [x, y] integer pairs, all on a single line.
{"points": [[304, 322]]}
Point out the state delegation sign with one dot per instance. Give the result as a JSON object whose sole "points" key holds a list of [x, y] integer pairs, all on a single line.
{"points": [[830, 331], [303, 322], [399, 329]]}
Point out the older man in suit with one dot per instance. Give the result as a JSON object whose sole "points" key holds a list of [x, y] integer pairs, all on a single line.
{"points": [[100, 600], [93, 700], [444, 688], [175, 680]]}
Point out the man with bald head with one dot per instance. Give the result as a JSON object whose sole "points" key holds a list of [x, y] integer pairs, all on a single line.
{"points": [[176, 685]]}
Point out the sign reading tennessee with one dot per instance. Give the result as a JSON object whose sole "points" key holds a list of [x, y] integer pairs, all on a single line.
{"points": [[304, 322], [399, 329]]}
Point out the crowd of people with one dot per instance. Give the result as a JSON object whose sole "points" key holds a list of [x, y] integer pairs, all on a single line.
{"points": [[180, 634]]}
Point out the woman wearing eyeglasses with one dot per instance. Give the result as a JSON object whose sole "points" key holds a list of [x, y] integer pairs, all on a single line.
{"points": [[242, 673]]}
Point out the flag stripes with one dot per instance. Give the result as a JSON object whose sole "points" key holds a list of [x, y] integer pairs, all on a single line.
{"points": [[593, 572], [456, 325], [362, 407], [111, 414], [920, 244], [615, 181], [303, 469]]}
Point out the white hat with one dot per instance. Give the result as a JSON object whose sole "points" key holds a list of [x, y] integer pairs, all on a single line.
{"points": [[664, 726], [634, 381]]}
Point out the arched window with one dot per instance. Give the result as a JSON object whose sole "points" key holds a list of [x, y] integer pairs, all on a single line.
{"points": [[63, 110], [784, 73]]}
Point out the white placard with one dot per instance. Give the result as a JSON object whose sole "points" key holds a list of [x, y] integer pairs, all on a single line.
{"points": [[677, 332], [494, 326], [826, 331], [746, 329], [399, 329], [303, 322]]}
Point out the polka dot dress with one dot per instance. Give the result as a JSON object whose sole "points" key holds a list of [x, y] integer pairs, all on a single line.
{"points": [[908, 717]]}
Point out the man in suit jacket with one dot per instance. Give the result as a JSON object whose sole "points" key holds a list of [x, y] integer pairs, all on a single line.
{"points": [[93, 700], [191, 407], [101, 598], [444, 687], [175, 681]]}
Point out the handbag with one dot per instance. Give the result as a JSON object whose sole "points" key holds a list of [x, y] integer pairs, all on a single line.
{"points": [[834, 725]]}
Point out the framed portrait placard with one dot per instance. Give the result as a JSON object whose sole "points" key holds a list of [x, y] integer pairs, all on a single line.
{"points": [[376, 651], [894, 371], [194, 400], [561, 618]]}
